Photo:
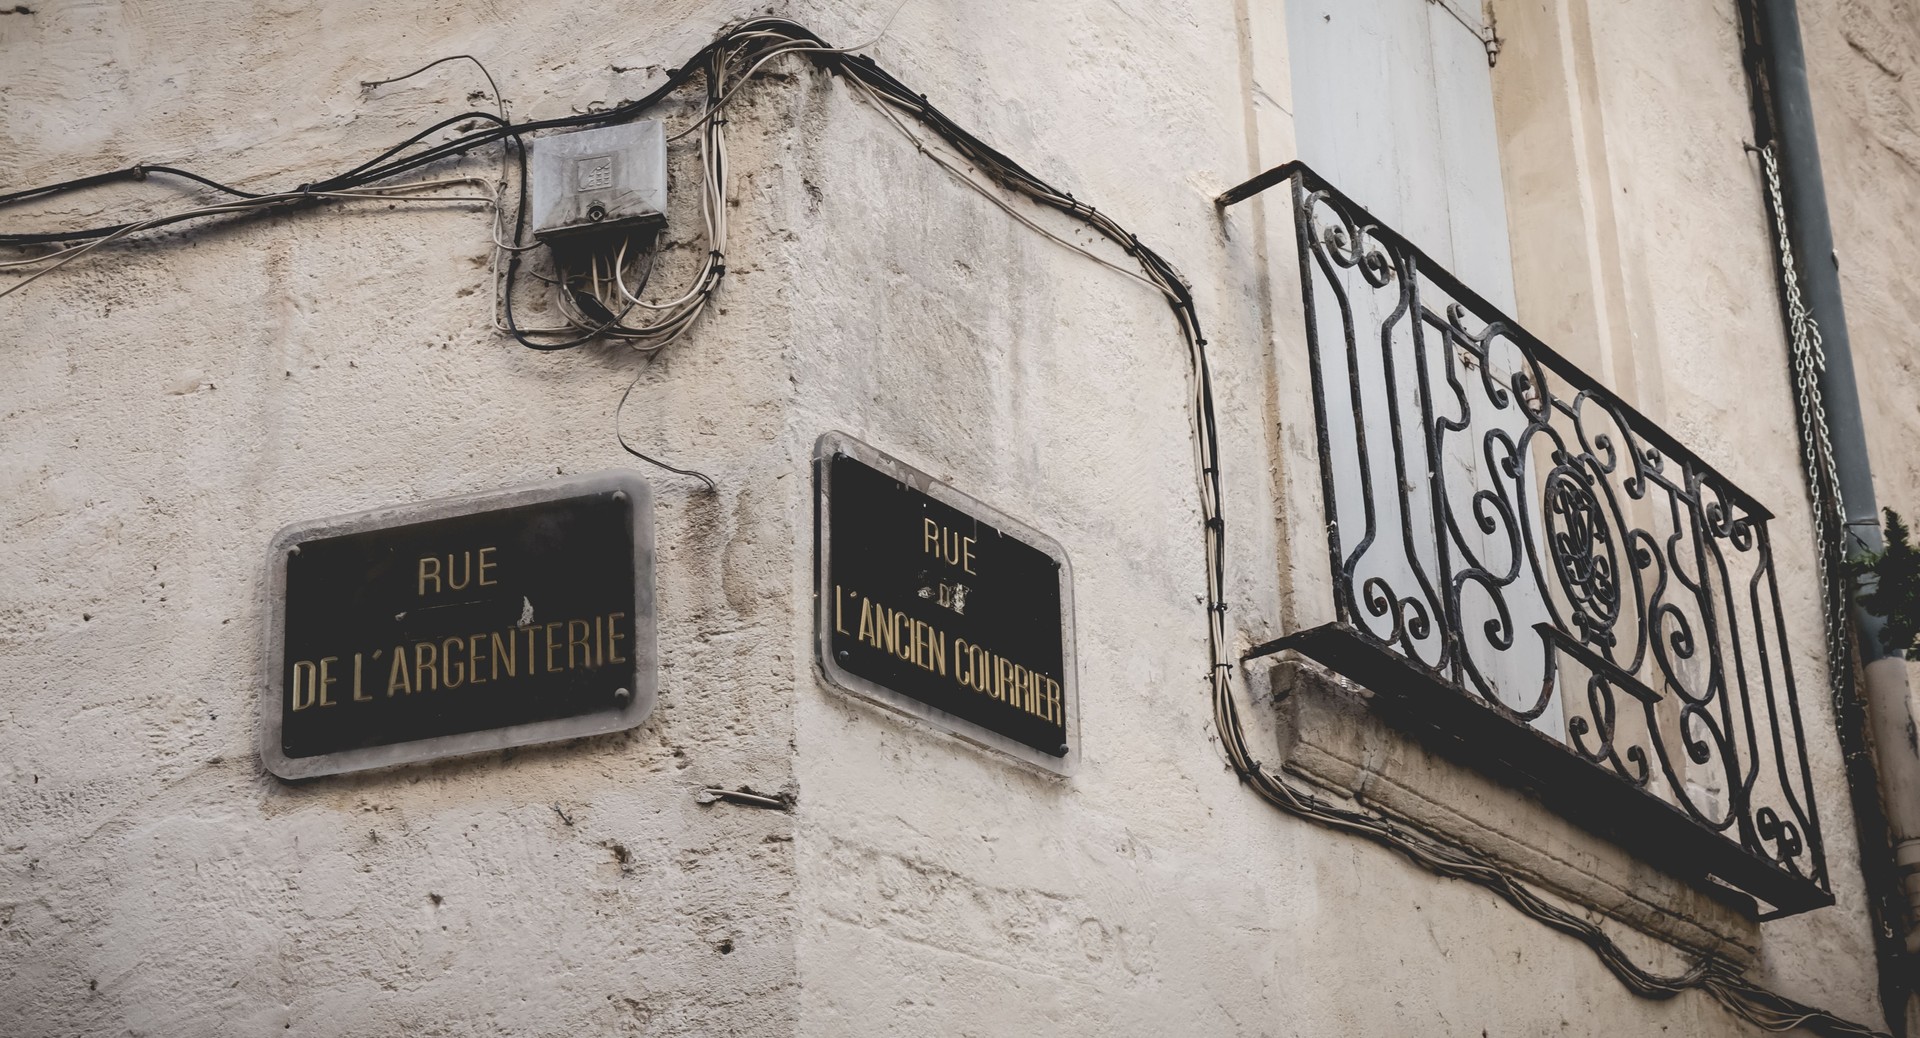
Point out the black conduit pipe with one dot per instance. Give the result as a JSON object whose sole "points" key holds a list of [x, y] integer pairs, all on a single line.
{"points": [[1889, 713]]}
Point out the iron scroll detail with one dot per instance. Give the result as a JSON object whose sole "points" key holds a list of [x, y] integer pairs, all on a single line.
{"points": [[1505, 532]]}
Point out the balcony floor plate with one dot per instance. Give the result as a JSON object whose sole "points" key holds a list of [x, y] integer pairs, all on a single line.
{"points": [[1475, 734]]}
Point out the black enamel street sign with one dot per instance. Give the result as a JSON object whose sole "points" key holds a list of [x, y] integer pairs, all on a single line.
{"points": [[460, 625], [937, 605]]}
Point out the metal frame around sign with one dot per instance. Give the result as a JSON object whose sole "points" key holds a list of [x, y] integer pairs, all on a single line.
{"points": [[645, 684], [838, 443]]}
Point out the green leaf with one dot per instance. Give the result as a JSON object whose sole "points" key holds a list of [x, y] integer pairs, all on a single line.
{"points": [[1896, 594]]}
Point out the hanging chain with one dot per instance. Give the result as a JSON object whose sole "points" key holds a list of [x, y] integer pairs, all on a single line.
{"points": [[1823, 481]]}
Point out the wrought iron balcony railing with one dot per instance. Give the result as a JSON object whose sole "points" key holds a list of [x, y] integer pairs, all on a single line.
{"points": [[1528, 567]]}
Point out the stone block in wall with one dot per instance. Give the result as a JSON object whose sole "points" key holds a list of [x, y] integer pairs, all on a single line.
{"points": [[1332, 737]]}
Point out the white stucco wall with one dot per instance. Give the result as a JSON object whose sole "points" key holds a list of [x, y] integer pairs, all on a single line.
{"points": [[166, 412], [170, 404], [1868, 115]]}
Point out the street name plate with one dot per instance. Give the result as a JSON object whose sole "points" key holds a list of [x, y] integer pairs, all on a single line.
{"points": [[936, 605], [460, 625]]}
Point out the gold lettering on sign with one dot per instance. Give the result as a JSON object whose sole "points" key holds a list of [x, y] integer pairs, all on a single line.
{"points": [[327, 680], [577, 633], [939, 652], [887, 634], [398, 678], [466, 571], [430, 570], [304, 678], [474, 641], [616, 633], [453, 672], [896, 633], [580, 643], [426, 665], [947, 545], [924, 644], [507, 648], [992, 675], [902, 644], [964, 664], [457, 571]]}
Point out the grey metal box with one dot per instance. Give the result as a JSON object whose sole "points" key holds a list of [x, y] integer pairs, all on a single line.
{"points": [[605, 178]]}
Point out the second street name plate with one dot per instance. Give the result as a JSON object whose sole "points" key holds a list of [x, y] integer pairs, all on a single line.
{"points": [[460, 625], [939, 606]]}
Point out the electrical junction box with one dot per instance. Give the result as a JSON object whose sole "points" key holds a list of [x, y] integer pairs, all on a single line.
{"points": [[609, 178]]}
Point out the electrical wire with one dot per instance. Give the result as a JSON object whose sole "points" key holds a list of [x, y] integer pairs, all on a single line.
{"points": [[135, 172], [886, 107], [368, 85], [750, 44], [671, 318], [394, 193], [353, 179], [790, 45], [1718, 979], [620, 435]]}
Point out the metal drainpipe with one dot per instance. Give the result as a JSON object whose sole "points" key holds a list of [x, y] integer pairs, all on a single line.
{"points": [[1889, 708]]}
